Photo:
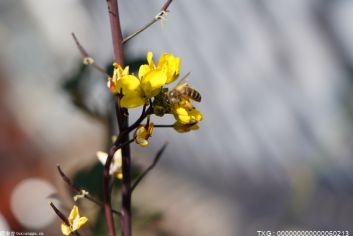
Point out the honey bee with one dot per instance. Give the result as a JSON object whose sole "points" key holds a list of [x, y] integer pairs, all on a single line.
{"points": [[182, 91]]}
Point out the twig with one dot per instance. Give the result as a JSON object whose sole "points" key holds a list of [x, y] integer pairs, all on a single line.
{"points": [[166, 5], [107, 194], [86, 56], [60, 214], [161, 14], [68, 181], [154, 163], [164, 126], [122, 118]]}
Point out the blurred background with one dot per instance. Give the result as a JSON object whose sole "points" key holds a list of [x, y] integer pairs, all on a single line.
{"points": [[274, 151]]}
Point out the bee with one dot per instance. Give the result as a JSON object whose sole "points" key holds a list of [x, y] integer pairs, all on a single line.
{"points": [[182, 91]]}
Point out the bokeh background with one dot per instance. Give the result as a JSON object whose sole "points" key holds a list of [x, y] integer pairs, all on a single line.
{"points": [[274, 151]]}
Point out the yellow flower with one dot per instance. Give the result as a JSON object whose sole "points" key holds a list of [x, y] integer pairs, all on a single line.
{"points": [[167, 63], [171, 65], [74, 220], [136, 92], [116, 165], [185, 115], [143, 133], [118, 74]]}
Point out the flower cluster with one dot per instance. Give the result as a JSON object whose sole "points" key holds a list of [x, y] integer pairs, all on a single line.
{"points": [[149, 88]]}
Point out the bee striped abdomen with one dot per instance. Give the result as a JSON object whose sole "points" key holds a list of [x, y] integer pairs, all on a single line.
{"points": [[192, 94]]}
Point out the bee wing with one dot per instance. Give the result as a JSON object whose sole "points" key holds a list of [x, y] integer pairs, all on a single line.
{"points": [[183, 82]]}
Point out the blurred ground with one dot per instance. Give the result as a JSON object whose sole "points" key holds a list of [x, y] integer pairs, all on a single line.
{"points": [[274, 151]]}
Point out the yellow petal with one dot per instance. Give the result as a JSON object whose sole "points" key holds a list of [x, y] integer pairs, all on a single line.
{"points": [[153, 82], [142, 142], [186, 116], [118, 72], [66, 230], [78, 223], [73, 214], [184, 119], [195, 115], [125, 71], [181, 111], [143, 133], [143, 70], [149, 58], [171, 65], [128, 84], [132, 100], [75, 222]]}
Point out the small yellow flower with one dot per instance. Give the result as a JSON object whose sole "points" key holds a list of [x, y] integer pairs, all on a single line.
{"points": [[171, 65], [116, 165], [136, 92], [185, 113], [75, 222], [143, 133], [118, 74], [185, 116], [167, 63]]}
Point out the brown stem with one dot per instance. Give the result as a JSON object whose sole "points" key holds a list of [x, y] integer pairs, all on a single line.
{"points": [[122, 117], [115, 26], [60, 214], [166, 5], [106, 190], [124, 129]]}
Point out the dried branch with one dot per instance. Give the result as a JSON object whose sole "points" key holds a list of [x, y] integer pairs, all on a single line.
{"points": [[87, 59], [68, 181], [164, 126], [60, 214], [160, 16]]}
